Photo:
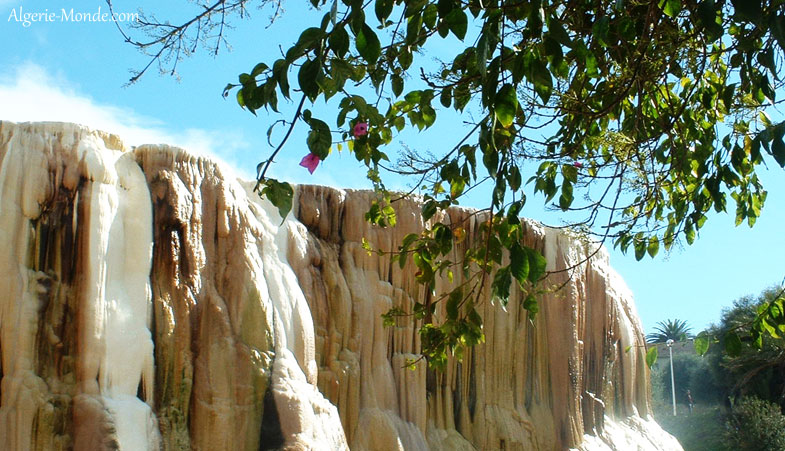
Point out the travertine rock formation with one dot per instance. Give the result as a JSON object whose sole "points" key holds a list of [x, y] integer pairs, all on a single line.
{"points": [[540, 385], [149, 300]]}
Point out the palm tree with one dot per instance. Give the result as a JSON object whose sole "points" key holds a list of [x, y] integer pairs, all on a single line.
{"points": [[676, 330]]}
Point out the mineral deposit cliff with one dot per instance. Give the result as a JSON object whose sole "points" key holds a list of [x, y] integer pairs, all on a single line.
{"points": [[150, 300]]}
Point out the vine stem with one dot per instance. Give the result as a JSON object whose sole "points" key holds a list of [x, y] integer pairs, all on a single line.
{"points": [[260, 176]]}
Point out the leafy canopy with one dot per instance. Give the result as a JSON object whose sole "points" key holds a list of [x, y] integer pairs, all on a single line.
{"points": [[639, 117]]}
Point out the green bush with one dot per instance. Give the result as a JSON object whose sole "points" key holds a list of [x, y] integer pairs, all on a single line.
{"points": [[756, 425]]}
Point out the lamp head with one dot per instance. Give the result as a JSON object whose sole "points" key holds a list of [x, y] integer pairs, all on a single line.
{"points": [[669, 343]]}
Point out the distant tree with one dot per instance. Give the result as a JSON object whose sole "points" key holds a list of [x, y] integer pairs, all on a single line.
{"points": [[755, 367], [672, 329]]}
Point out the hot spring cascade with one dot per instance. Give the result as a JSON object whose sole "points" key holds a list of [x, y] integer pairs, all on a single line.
{"points": [[150, 300]]}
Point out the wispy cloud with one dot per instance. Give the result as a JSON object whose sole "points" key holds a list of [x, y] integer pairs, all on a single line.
{"points": [[30, 93]]}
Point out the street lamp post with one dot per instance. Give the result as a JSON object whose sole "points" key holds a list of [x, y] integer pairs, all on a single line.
{"points": [[669, 344]]}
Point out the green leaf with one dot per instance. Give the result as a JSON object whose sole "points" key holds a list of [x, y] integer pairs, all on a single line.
{"points": [[258, 69], [490, 159], [281, 75], [414, 29], [541, 78], [366, 245], [457, 22], [495, 250], [381, 216], [368, 44], [374, 214], [519, 264], [506, 105], [443, 237], [512, 213], [701, 343], [600, 30], [732, 344], [241, 99], [280, 194], [309, 37], [671, 7], [408, 240], [747, 9], [557, 32], [654, 246], [767, 89], [319, 138], [766, 59], [514, 177], [389, 215], [456, 187], [383, 8], [413, 7], [461, 95], [651, 356], [566, 198], [428, 210], [308, 76], [453, 302], [397, 84], [404, 248], [501, 284], [640, 249], [481, 55], [405, 58], [569, 172], [339, 41], [707, 15], [445, 6], [537, 264], [777, 29], [778, 151], [446, 97], [530, 304], [689, 234], [590, 61], [425, 273], [430, 16]]}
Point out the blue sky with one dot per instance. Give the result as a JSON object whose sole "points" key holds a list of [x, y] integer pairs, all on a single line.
{"points": [[69, 71]]}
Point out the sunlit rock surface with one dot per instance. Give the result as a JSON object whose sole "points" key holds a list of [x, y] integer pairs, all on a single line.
{"points": [[149, 300]]}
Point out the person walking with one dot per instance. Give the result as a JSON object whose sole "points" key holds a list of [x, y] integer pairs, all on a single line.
{"points": [[690, 402]]}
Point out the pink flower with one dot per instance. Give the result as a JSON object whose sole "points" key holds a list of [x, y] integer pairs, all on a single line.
{"points": [[578, 164], [360, 129], [310, 162]]}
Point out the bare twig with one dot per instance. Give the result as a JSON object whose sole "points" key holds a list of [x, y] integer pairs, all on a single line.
{"points": [[168, 44]]}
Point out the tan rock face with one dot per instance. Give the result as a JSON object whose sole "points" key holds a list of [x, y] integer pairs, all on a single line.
{"points": [[149, 300], [77, 354], [531, 385]]}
